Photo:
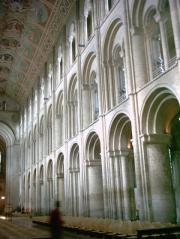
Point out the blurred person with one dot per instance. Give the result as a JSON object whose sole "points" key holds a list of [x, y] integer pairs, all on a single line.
{"points": [[56, 222]]}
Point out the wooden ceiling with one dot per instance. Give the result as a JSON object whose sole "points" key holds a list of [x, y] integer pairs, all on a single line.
{"points": [[28, 30]]}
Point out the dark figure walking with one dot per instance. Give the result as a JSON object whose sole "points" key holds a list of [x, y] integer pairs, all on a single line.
{"points": [[56, 222]]}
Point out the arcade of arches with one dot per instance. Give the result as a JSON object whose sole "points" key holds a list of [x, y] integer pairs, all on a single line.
{"points": [[100, 130]]}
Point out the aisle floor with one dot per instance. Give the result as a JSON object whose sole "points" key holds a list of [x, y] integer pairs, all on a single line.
{"points": [[23, 228]]}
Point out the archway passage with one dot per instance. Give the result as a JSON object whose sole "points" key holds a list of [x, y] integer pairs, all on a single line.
{"points": [[2, 175], [159, 125]]}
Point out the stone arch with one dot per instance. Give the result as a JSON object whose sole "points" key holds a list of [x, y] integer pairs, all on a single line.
{"points": [[74, 169], [90, 90], [94, 175], [7, 133], [114, 36], [137, 10], [120, 134], [87, 66], [121, 166], [110, 36], [158, 111], [160, 108]]}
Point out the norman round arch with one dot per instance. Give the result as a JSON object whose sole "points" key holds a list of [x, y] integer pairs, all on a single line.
{"points": [[94, 175], [121, 165], [159, 117], [160, 107]]}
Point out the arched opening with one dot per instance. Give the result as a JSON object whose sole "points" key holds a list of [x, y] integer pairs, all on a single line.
{"points": [[110, 4], [114, 67], [89, 25], [73, 49], [122, 168], [159, 120], [94, 174], [61, 69], [170, 44], [90, 92]]}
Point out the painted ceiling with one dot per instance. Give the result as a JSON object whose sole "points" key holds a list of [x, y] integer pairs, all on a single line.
{"points": [[28, 29]]}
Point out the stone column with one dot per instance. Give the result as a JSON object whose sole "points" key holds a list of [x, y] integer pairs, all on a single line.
{"points": [[112, 187], [74, 189], [61, 191], [96, 206], [174, 10], [138, 48], [118, 186], [106, 104], [126, 185], [162, 203]]}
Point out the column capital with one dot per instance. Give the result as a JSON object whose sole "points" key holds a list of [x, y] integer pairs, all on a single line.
{"points": [[85, 86], [74, 170], [118, 153], [156, 138], [93, 163]]}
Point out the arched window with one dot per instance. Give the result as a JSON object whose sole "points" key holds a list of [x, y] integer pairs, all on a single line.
{"points": [[73, 49], [89, 25], [41, 174], [61, 68], [110, 3], [160, 40], [120, 73]]}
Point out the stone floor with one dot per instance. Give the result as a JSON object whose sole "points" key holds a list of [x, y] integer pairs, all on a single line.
{"points": [[23, 228]]}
